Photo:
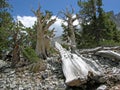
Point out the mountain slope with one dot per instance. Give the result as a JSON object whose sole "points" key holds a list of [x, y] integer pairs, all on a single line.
{"points": [[115, 18]]}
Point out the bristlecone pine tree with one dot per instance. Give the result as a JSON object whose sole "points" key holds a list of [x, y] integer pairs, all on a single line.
{"points": [[43, 32], [17, 42], [69, 29]]}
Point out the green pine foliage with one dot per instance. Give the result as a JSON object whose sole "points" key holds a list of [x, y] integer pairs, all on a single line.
{"points": [[97, 27], [31, 36], [6, 23], [30, 55], [37, 64], [109, 43], [67, 47], [66, 33]]}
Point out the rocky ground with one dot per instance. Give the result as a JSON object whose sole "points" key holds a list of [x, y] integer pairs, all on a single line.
{"points": [[111, 70], [19, 79], [53, 79]]}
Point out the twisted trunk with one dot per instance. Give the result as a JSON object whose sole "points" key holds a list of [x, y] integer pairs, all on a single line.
{"points": [[43, 38]]}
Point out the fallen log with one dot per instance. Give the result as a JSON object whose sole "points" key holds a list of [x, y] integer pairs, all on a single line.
{"points": [[94, 50], [75, 69], [109, 54]]}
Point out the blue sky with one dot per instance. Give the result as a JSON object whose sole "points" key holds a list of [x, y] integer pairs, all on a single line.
{"points": [[23, 7]]}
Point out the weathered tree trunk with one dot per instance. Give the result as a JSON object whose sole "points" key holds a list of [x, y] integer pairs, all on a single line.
{"points": [[94, 50], [69, 19], [16, 49], [43, 24], [40, 47], [109, 54], [16, 55], [77, 69]]}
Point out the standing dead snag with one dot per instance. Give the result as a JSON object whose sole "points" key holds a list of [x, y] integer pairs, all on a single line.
{"points": [[43, 38], [77, 69]]}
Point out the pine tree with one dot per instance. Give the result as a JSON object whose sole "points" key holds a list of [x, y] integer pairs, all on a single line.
{"points": [[17, 41], [89, 25], [6, 23], [97, 25], [31, 37], [69, 29], [43, 33], [107, 29]]}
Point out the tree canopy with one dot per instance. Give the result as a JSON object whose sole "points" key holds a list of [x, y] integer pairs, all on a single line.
{"points": [[96, 24], [6, 23]]}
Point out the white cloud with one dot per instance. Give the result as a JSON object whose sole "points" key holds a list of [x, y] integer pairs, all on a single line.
{"points": [[27, 21], [57, 26]]}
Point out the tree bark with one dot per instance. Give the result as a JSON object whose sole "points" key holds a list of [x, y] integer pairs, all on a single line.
{"points": [[76, 68], [69, 19], [109, 54], [94, 50], [43, 24]]}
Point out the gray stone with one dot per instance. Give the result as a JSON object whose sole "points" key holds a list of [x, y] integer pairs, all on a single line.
{"points": [[7, 70], [102, 87], [61, 86], [44, 75], [21, 87], [2, 63], [12, 85], [50, 88]]}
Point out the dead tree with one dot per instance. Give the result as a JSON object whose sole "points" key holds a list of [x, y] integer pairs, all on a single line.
{"points": [[108, 54], [94, 50], [77, 69], [43, 39]]}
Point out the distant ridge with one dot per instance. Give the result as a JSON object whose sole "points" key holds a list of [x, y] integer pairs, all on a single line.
{"points": [[115, 18]]}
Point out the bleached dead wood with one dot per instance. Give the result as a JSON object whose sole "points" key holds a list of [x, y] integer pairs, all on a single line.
{"points": [[85, 51], [75, 69], [94, 50], [109, 54]]}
